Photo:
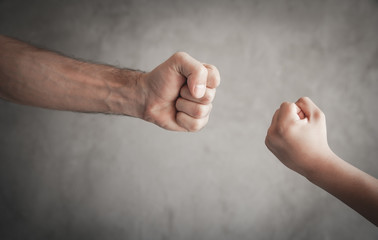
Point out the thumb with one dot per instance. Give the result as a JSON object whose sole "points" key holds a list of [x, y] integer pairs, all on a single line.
{"points": [[299, 112], [307, 107], [197, 82], [195, 73], [288, 112]]}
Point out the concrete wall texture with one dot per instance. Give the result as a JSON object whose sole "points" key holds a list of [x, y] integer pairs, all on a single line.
{"points": [[67, 175]]}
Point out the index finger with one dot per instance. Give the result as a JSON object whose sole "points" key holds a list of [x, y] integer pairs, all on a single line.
{"points": [[308, 107], [288, 112], [213, 76]]}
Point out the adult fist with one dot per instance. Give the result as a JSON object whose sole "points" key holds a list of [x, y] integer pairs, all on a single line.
{"points": [[179, 93]]}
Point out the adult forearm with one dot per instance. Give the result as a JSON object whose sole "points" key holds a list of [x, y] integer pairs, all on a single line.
{"points": [[37, 77], [352, 186]]}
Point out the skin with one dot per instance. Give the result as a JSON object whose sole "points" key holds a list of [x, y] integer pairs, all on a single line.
{"points": [[177, 95], [298, 138]]}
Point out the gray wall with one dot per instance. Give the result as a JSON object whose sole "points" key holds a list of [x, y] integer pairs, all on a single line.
{"points": [[70, 175]]}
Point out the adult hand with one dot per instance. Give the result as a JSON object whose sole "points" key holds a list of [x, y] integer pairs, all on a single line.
{"points": [[298, 136], [179, 93], [176, 95]]}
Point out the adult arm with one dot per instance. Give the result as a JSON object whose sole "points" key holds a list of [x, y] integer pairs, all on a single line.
{"points": [[297, 137], [176, 95]]}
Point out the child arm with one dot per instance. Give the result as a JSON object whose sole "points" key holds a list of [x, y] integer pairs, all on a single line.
{"points": [[298, 138]]}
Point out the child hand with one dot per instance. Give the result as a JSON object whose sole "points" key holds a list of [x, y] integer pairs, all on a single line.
{"points": [[298, 137]]}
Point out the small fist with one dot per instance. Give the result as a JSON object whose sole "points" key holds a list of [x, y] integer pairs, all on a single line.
{"points": [[298, 137]]}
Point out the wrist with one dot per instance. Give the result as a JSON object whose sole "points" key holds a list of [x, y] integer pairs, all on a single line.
{"points": [[126, 93], [326, 166]]}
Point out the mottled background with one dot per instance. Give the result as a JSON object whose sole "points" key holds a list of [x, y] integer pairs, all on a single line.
{"points": [[67, 175]]}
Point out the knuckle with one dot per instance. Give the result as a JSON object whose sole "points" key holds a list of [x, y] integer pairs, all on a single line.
{"points": [[209, 97], [195, 128], [304, 99], [213, 72], [281, 131], [202, 70], [284, 131], [271, 131], [179, 56], [217, 76], [197, 125], [209, 108], [200, 111], [323, 116], [268, 141], [218, 81], [271, 140], [284, 104], [319, 115], [213, 68]]}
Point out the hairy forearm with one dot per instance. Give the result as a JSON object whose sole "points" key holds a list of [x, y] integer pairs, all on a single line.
{"points": [[351, 185], [37, 77]]}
